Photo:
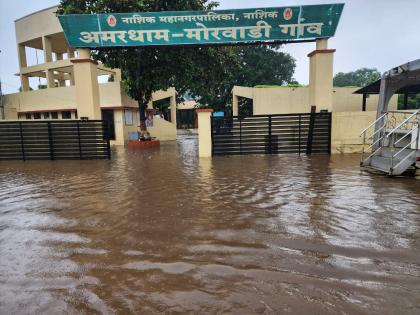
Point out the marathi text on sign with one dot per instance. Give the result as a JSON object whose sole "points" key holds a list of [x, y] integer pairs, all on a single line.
{"points": [[213, 27]]}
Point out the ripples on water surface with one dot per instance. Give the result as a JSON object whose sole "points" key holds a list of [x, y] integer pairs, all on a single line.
{"points": [[166, 232]]}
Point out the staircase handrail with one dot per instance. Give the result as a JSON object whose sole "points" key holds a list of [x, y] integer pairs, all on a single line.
{"points": [[403, 123], [384, 116], [379, 130], [415, 140], [372, 124], [400, 112]]}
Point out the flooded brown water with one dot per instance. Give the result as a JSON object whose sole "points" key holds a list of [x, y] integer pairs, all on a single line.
{"points": [[163, 232]]}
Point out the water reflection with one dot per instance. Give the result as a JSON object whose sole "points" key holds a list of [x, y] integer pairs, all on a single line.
{"points": [[320, 185], [162, 231]]}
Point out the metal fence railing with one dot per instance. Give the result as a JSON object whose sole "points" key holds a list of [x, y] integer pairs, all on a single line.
{"points": [[54, 140], [272, 134]]}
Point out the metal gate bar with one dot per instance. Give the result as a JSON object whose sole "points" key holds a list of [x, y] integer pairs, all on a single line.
{"points": [[54, 140], [272, 134]]}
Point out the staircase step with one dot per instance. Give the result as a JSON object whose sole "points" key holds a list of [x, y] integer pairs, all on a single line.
{"points": [[380, 163], [383, 164]]}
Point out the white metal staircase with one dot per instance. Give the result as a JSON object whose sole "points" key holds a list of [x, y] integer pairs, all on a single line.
{"points": [[391, 143]]}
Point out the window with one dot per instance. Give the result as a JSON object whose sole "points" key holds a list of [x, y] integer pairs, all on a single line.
{"points": [[54, 115], [66, 115], [46, 115], [128, 115], [28, 116], [37, 115]]}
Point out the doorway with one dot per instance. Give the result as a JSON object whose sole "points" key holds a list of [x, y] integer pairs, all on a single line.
{"points": [[108, 116]]}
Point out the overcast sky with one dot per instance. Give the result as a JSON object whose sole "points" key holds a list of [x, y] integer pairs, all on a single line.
{"points": [[372, 33]]}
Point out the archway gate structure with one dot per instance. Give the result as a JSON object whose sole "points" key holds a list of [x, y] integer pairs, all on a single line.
{"points": [[312, 23]]}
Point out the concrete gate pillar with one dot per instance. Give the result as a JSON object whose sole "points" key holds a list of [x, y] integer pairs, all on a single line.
{"points": [[321, 76], [204, 132], [235, 106], [86, 84], [24, 80], [173, 110]]}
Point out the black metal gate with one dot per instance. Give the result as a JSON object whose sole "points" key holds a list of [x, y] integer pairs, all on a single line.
{"points": [[272, 134], [54, 140]]}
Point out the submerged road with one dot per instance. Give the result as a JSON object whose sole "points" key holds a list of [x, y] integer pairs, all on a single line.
{"points": [[165, 232]]}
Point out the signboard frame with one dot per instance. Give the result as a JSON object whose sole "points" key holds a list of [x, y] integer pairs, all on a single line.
{"points": [[218, 27]]}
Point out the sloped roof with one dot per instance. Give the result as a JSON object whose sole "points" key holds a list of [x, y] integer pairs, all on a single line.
{"points": [[375, 87]]}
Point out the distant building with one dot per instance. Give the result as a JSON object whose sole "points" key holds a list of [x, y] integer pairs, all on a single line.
{"points": [[285, 100], [186, 115]]}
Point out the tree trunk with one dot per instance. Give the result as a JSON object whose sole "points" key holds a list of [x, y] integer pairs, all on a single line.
{"points": [[142, 111]]}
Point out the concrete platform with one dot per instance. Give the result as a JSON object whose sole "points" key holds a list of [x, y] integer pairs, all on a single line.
{"points": [[137, 144]]}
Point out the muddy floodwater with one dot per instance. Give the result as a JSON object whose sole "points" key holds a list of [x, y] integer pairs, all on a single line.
{"points": [[163, 232]]}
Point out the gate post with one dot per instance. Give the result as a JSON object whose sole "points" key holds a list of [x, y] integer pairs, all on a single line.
{"points": [[86, 85], [311, 131], [204, 132], [321, 62]]}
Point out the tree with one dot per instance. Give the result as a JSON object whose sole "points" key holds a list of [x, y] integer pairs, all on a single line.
{"points": [[207, 73], [413, 101], [147, 69], [246, 66], [360, 77]]}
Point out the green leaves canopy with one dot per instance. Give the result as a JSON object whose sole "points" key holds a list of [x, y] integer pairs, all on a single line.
{"points": [[360, 77]]}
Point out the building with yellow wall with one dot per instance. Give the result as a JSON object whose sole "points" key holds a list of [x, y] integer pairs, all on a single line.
{"points": [[348, 118], [70, 86], [286, 100]]}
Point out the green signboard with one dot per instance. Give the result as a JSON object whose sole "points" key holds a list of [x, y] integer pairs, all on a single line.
{"points": [[295, 23]]}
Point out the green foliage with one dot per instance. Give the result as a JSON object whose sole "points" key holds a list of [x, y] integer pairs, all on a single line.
{"points": [[359, 78], [413, 101], [243, 66], [206, 73]]}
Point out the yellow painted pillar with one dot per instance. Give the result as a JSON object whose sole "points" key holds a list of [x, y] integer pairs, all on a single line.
{"points": [[22, 56], [173, 109], [204, 132], [117, 75], [235, 106], [72, 83], [24, 80], [46, 45], [119, 125], [321, 76], [86, 83], [50, 78], [61, 80]]}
